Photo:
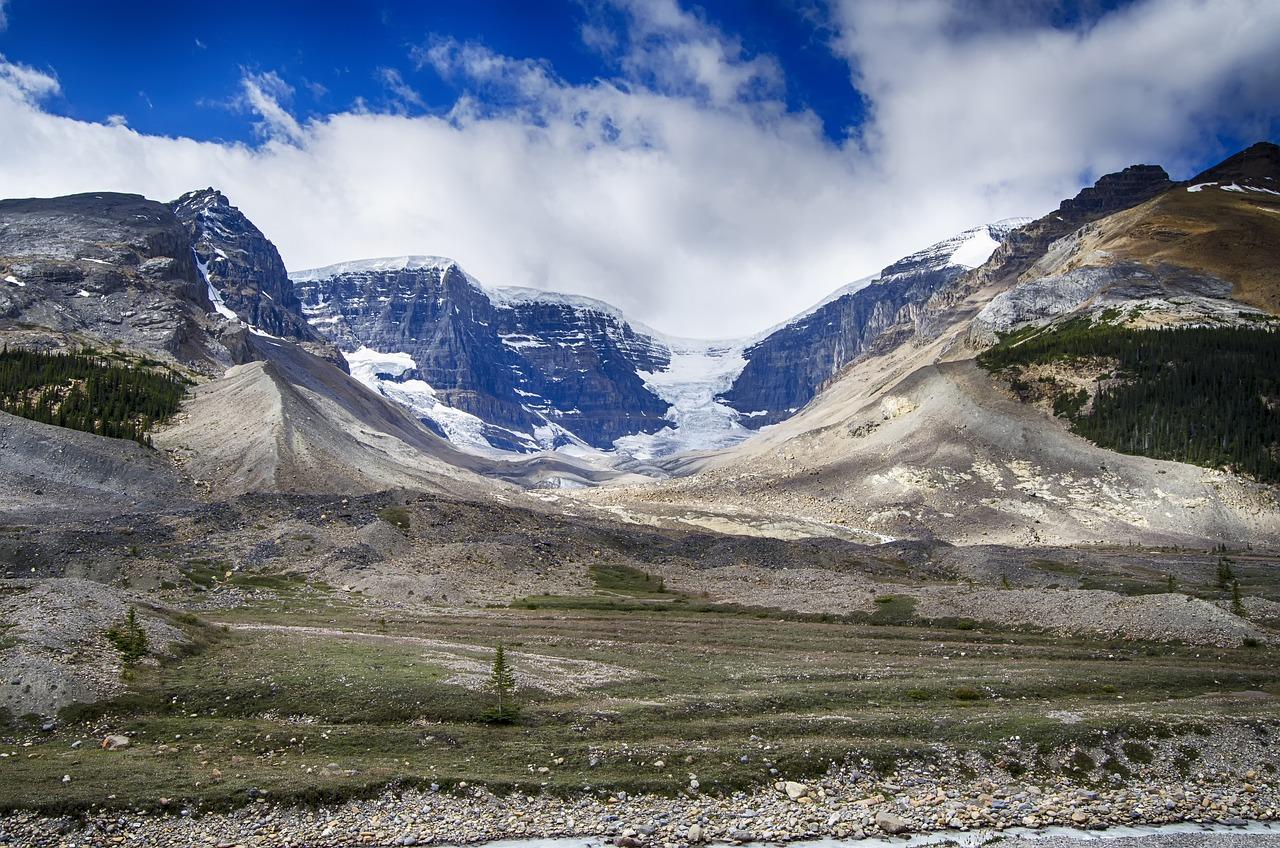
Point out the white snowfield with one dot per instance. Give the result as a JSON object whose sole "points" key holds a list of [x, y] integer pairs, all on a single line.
{"points": [[364, 266], [699, 370]]}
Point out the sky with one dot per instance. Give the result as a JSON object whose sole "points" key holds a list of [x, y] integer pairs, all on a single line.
{"points": [[710, 168]]}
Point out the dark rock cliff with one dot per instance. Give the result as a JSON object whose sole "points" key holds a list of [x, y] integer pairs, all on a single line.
{"points": [[789, 366], [517, 361], [246, 269]]}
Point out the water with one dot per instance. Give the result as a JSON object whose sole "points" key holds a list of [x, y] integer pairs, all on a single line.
{"points": [[965, 839]]}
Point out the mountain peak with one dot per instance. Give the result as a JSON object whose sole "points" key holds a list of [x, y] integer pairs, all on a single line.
{"points": [[1256, 165], [1116, 191]]}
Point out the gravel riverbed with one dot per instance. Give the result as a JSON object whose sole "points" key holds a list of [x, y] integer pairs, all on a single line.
{"points": [[848, 803]]}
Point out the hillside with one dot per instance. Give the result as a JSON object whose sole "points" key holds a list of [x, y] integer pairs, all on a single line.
{"points": [[915, 440]]}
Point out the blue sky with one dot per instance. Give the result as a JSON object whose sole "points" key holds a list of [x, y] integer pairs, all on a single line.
{"points": [[711, 168], [107, 55]]}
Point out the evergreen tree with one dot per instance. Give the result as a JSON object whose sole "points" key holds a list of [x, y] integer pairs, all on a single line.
{"points": [[1237, 603], [503, 683], [1225, 574], [129, 637]]}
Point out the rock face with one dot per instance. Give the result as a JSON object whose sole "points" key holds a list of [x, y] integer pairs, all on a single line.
{"points": [[521, 369], [1111, 193], [245, 269], [789, 366], [548, 370], [113, 267]]}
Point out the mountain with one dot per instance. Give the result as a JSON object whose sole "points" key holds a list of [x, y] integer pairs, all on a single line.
{"points": [[787, 367], [520, 369], [246, 276], [1021, 404], [509, 369], [149, 287], [115, 269]]}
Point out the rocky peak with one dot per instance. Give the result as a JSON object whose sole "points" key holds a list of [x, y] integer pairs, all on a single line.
{"points": [[115, 267], [1113, 192], [242, 265], [1257, 166]]}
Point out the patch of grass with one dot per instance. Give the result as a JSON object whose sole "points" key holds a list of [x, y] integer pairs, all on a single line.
{"points": [[894, 609], [396, 516], [1136, 752]]}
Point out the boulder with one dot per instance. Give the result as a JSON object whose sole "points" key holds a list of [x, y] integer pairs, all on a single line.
{"points": [[115, 742], [891, 823]]}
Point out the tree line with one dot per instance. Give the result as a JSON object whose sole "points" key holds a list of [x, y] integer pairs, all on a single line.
{"points": [[86, 392], [1208, 396]]}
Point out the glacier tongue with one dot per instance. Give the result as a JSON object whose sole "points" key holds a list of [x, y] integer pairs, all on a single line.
{"points": [[697, 374]]}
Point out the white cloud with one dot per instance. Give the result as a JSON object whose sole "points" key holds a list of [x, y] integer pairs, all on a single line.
{"points": [[24, 83], [117, 120], [264, 95], [4, 16], [687, 193], [402, 93]]}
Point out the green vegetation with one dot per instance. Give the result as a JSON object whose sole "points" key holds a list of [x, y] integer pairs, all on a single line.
{"points": [[610, 693], [396, 516], [86, 392], [1201, 395], [502, 681], [129, 638]]}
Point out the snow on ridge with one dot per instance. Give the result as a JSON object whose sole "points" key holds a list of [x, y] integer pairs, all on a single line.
{"points": [[411, 262]]}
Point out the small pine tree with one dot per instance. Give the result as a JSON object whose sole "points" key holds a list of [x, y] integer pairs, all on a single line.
{"points": [[1237, 603], [1225, 574], [1173, 584], [503, 683], [129, 638]]}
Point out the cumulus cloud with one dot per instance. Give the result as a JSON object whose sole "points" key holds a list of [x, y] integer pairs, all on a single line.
{"points": [[681, 187], [993, 96]]}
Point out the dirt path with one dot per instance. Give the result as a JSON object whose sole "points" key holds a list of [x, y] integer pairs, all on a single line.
{"points": [[471, 664]]}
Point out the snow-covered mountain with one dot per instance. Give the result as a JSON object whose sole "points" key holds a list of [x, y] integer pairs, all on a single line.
{"points": [[500, 370]]}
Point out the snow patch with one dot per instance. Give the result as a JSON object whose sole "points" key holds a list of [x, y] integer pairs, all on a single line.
{"points": [[12, 280], [373, 266], [215, 296]]}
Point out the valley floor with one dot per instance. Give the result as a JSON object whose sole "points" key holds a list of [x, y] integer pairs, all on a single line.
{"points": [[643, 714]]}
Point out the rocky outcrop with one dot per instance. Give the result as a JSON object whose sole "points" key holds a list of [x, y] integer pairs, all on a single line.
{"points": [[789, 366], [1026, 245], [117, 268], [245, 268], [547, 368]]}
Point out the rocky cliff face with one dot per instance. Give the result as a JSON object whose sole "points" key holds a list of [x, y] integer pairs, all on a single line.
{"points": [[113, 267], [245, 269], [547, 370], [789, 366]]}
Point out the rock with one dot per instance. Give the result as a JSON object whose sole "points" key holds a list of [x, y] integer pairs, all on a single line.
{"points": [[891, 823], [795, 791], [1079, 817], [456, 334], [115, 742], [742, 836], [695, 833], [627, 842]]}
